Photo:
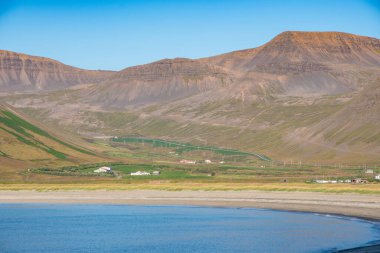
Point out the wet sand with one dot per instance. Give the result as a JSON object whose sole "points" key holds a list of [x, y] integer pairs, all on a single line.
{"points": [[358, 205]]}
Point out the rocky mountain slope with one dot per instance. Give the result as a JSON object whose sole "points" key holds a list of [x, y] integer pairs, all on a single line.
{"points": [[160, 81], [292, 64], [21, 73], [303, 63], [303, 95]]}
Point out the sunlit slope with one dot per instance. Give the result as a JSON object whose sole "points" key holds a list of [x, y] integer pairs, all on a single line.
{"points": [[24, 144]]}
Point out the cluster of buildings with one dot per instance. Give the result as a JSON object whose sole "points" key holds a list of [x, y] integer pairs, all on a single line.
{"points": [[105, 169], [347, 181], [369, 173], [145, 173], [207, 161]]}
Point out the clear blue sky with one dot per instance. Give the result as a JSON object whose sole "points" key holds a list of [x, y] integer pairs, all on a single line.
{"points": [[101, 34]]}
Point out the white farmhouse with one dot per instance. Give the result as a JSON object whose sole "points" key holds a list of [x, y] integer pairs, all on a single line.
{"points": [[187, 161], [207, 161], [321, 181], [377, 177], [103, 170], [140, 173]]}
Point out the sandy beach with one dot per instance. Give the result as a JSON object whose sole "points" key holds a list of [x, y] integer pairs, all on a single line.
{"points": [[358, 205]]}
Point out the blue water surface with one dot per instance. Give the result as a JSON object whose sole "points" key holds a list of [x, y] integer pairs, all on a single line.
{"points": [[127, 228]]}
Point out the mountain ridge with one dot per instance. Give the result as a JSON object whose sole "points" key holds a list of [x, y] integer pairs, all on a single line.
{"points": [[298, 96], [22, 72]]}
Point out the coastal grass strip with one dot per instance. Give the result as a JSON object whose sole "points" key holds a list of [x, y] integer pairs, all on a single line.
{"points": [[188, 186]]}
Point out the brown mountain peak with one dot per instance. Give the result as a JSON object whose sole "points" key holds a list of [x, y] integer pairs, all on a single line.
{"points": [[327, 39]]}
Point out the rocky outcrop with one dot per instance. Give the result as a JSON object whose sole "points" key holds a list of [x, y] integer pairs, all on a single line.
{"points": [[20, 72], [304, 63], [160, 81]]}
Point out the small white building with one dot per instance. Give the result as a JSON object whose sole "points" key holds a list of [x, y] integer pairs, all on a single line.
{"points": [[377, 177], [207, 161], [369, 171], [156, 173], [321, 181], [221, 162], [187, 161], [348, 181], [140, 173], [103, 170]]}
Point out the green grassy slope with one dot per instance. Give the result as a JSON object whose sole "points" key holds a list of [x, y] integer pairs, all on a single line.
{"points": [[23, 144]]}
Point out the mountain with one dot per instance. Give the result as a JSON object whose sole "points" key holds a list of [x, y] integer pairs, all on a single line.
{"points": [[288, 47], [21, 72], [303, 95], [303, 63], [292, 64]]}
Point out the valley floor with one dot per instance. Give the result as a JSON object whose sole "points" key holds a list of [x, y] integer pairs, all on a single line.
{"points": [[349, 204]]}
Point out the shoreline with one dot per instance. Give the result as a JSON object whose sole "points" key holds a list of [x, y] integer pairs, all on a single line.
{"points": [[345, 204]]}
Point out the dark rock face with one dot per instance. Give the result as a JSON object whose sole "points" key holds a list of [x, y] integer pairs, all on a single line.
{"points": [[19, 72]]}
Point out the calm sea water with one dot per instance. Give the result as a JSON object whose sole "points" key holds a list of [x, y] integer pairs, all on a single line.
{"points": [[124, 228]]}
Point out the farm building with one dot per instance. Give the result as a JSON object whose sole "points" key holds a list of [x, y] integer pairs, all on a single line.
{"points": [[322, 181], [359, 181], [377, 177], [103, 170], [156, 173], [187, 161], [140, 173]]}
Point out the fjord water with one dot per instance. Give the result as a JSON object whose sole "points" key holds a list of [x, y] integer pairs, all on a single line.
{"points": [[125, 228]]}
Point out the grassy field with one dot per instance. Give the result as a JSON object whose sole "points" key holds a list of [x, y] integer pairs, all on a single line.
{"points": [[187, 147], [201, 173]]}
